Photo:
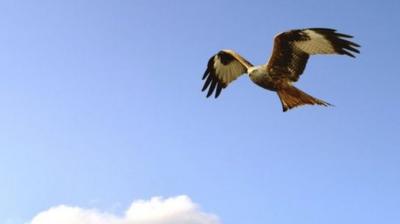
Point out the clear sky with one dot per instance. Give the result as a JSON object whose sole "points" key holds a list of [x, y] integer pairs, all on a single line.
{"points": [[101, 106]]}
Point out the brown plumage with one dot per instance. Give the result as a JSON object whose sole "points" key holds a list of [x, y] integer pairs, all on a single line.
{"points": [[291, 97], [290, 54]]}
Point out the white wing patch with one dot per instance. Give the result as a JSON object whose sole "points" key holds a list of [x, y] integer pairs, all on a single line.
{"points": [[230, 72], [222, 69], [317, 45]]}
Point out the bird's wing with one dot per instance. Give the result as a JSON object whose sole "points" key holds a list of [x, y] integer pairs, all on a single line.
{"points": [[222, 69], [293, 48]]}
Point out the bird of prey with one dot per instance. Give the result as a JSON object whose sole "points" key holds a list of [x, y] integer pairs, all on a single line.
{"points": [[287, 62]]}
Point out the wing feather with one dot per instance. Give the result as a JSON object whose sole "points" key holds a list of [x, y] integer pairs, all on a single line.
{"points": [[293, 48], [223, 68]]}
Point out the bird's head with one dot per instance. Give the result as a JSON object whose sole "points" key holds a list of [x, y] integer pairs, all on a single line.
{"points": [[252, 70], [255, 71]]}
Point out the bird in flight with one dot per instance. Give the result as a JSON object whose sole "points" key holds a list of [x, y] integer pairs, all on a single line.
{"points": [[287, 62]]}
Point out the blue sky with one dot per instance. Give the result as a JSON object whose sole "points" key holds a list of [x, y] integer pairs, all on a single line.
{"points": [[101, 106]]}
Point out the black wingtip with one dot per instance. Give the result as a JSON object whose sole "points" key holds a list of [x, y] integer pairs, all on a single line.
{"points": [[343, 35], [212, 87], [207, 83], [205, 74], [342, 44], [348, 53], [346, 47], [320, 29]]}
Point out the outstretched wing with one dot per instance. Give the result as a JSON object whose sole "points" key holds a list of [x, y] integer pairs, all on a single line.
{"points": [[293, 48], [222, 69]]}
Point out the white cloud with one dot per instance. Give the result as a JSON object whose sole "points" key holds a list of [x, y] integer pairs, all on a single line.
{"points": [[174, 210]]}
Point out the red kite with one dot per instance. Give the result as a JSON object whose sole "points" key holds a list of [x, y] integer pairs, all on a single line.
{"points": [[288, 61]]}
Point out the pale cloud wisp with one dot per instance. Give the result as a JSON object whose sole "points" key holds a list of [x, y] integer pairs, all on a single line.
{"points": [[157, 210]]}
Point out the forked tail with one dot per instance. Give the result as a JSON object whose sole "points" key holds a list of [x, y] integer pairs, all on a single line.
{"points": [[291, 97]]}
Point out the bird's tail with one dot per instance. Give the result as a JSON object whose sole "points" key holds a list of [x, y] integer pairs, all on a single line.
{"points": [[291, 97]]}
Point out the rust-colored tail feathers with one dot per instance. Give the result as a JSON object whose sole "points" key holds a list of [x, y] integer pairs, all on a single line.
{"points": [[291, 97]]}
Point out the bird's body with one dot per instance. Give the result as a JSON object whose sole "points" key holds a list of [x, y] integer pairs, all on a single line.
{"points": [[260, 76], [288, 60]]}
